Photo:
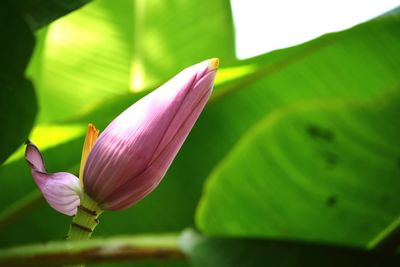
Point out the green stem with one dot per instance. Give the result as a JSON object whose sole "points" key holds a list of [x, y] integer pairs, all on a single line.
{"points": [[97, 250], [85, 220]]}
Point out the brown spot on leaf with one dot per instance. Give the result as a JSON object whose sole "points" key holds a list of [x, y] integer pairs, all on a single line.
{"points": [[331, 158], [318, 132], [331, 201]]}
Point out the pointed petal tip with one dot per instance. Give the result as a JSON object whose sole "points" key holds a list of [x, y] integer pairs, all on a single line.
{"points": [[92, 128], [34, 157], [213, 64], [90, 139], [30, 147]]}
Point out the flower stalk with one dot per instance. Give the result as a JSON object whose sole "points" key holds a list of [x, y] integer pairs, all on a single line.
{"points": [[85, 220]]}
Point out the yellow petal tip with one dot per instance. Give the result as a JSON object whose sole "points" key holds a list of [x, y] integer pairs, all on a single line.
{"points": [[213, 64], [90, 139]]}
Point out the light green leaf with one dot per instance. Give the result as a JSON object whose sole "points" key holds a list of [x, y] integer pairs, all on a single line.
{"points": [[108, 48], [173, 35], [84, 57]]}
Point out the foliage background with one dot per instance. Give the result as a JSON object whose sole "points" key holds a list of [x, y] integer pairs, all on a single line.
{"points": [[296, 148]]}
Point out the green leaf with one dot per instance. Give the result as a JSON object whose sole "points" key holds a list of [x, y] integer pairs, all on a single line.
{"points": [[17, 113], [237, 252], [90, 52], [17, 45], [324, 170], [109, 48], [170, 36], [17, 98]]}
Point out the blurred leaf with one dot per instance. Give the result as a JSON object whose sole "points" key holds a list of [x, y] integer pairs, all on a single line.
{"points": [[17, 113], [17, 44], [112, 47], [322, 170], [90, 52], [17, 98], [170, 36], [41, 12], [236, 252], [50, 135]]}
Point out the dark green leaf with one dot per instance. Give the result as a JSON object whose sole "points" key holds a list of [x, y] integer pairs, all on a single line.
{"points": [[41, 12], [17, 98], [17, 113], [238, 252]]}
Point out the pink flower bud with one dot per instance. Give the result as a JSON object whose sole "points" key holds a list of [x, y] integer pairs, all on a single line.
{"points": [[132, 155]]}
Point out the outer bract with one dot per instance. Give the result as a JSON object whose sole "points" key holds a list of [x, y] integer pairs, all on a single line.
{"points": [[134, 152]]}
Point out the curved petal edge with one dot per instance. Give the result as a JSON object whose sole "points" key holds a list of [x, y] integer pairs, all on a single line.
{"points": [[61, 190]]}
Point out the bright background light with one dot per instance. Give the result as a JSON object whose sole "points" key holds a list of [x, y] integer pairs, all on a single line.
{"points": [[263, 26]]}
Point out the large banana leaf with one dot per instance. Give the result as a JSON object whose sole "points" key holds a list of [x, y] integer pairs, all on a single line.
{"points": [[109, 48], [325, 170]]}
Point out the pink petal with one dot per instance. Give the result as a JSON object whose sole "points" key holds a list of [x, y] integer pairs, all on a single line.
{"points": [[34, 157], [125, 163], [61, 190], [136, 189]]}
